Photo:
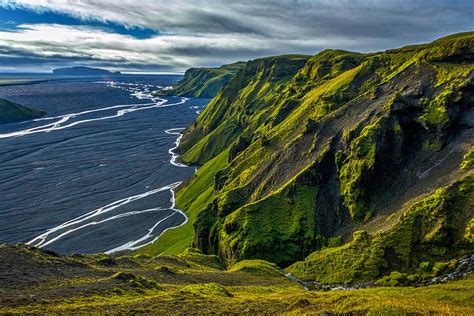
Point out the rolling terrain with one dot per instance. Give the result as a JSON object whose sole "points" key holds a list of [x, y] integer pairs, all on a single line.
{"points": [[39, 282]]}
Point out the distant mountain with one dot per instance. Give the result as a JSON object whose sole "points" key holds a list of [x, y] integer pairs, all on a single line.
{"points": [[83, 71], [11, 112], [204, 82]]}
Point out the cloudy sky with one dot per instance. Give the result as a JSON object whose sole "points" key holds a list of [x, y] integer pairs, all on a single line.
{"points": [[173, 35]]}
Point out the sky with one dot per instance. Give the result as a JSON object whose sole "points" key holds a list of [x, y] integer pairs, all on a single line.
{"points": [[169, 36]]}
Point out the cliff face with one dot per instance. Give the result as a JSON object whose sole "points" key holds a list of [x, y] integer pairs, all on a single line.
{"points": [[204, 82], [303, 151], [11, 112]]}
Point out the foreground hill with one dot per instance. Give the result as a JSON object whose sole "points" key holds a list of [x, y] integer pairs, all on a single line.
{"points": [[356, 165], [11, 112], [204, 82], [37, 282]]}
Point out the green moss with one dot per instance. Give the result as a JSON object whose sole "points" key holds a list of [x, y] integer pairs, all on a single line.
{"points": [[275, 229], [197, 257], [425, 266], [256, 266], [468, 160], [141, 256], [436, 113], [469, 231], [356, 167], [436, 222], [439, 268], [394, 279], [166, 270], [136, 281], [207, 289]]}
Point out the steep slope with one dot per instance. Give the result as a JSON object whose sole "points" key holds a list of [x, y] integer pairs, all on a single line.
{"points": [[203, 82], [11, 112], [311, 149]]}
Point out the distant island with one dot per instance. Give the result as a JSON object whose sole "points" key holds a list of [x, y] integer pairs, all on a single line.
{"points": [[83, 71], [11, 112]]}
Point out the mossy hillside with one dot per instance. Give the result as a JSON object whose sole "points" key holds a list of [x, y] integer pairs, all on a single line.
{"points": [[136, 281], [256, 266], [254, 232], [207, 289], [204, 82], [11, 112], [328, 64], [290, 124], [240, 101], [361, 121], [431, 230], [468, 160], [357, 168], [255, 165]]}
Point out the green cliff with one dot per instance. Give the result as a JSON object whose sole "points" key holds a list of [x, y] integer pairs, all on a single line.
{"points": [[11, 112], [299, 152], [203, 82]]}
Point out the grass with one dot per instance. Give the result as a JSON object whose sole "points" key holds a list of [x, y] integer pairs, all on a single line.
{"points": [[198, 286]]}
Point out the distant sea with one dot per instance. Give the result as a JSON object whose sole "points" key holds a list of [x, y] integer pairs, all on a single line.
{"points": [[97, 173]]}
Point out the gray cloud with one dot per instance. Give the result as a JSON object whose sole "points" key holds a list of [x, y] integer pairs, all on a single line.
{"points": [[207, 33]]}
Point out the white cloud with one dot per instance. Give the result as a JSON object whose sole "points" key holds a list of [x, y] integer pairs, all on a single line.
{"points": [[179, 51], [203, 33]]}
